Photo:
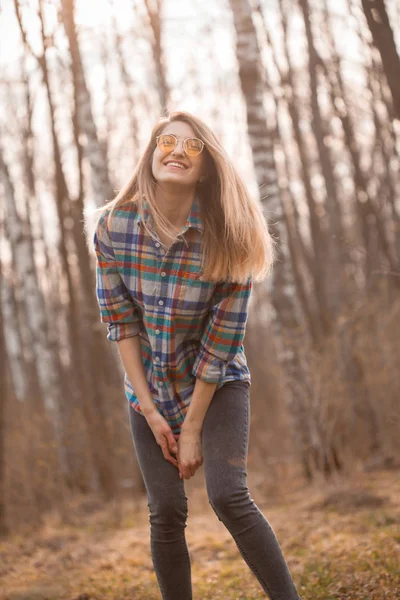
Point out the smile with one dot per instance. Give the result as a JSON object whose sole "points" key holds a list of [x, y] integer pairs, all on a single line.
{"points": [[175, 165]]}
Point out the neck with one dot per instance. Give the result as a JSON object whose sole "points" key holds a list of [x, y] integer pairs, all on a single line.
{"points": [[175, 203]]}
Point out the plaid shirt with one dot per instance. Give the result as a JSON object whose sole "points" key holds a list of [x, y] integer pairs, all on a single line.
{"points": [[189, 328]]}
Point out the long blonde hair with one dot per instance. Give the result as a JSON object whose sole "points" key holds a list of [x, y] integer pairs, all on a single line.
{"points": [[236, 241]]}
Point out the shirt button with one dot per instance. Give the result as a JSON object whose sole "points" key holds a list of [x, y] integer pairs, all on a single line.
{"points": [[157, 245], [161, 302], [157, 332], [157, 359], [160, 384], [163, 274]]}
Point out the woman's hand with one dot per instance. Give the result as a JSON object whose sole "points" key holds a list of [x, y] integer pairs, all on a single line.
{"points": [[190, 455], [164, 436]]}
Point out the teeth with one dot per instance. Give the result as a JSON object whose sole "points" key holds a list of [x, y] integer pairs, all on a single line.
{"points": [[174, 164]]}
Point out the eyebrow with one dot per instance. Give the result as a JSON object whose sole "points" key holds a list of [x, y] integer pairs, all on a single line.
{"points": [[170, 133]]}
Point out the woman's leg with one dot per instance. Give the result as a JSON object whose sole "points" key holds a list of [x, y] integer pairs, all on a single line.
{"points": [[225, 445], [168, 513]]}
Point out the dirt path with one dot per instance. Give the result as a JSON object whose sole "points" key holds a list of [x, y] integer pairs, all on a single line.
{"points": [[342, 544]]}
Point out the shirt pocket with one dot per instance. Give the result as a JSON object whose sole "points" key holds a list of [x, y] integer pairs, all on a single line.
{"points": [[194, 295]]}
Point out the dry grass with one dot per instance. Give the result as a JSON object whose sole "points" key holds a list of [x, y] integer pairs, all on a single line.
{"points": [[342, 542]]}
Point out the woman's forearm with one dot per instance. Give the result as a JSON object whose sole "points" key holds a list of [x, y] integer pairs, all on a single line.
{"points": [[131, 355], [201, 399], [130, 352]]}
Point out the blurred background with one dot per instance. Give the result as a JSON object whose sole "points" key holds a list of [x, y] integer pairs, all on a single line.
{"points": [[305, 97]]}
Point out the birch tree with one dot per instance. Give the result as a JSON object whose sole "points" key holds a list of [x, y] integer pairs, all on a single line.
{"points": [[383, 38], [101, 185], [35, 312], [288, 323], [333, 253], [154, 14], [60, 191], [4, 394]]}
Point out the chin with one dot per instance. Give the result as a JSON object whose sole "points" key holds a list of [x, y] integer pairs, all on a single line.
{"points": [[176, 181]]}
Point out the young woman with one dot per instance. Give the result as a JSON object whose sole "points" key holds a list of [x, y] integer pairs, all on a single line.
{"points": [[177, 252]]}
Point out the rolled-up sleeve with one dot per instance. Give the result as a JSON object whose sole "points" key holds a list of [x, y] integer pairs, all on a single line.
{"points": [[224, 330], [117, 309]]}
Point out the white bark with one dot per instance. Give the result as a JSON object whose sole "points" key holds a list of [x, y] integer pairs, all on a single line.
{"points": [[35, 311], [101, 186], [12, 339], [290, 336], [261, 136]]}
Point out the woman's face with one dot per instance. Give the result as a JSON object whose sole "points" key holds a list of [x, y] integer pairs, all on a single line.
{"points": [[190, 167]]}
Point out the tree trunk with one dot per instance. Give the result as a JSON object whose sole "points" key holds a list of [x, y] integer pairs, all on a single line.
{"points": [[333, 254], [352, 369], [291, 337], [48, 368], [128, 87], [73, 384], [370, 216], [301, 258], [318, 229], [85, 396], [96, 356], [154, 11], [382, 35], [101, 186], [4, 395]]}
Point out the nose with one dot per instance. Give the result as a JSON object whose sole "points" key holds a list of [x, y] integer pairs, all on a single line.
{"points": [[178, 148]]}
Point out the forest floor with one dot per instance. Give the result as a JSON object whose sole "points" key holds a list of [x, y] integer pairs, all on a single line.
{"points": [[341, 541]]}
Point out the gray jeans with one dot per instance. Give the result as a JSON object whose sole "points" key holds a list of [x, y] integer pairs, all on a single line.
{"points": [[225, 444]]}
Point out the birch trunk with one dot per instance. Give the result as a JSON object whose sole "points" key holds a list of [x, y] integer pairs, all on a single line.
{"points": [[19, 384], [35, 312], [288, 322], [318, 235], [333, 252], [101, 186], [368, 210], [154, 13], [302, 257], [4, 393], [13, 342], [128, 87], [80, 382], [95, 355], [351, 367], [63, 206], [383, 38]]}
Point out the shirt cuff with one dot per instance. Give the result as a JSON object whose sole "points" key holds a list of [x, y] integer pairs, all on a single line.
{"points": [[208, 367], [120, 331]]}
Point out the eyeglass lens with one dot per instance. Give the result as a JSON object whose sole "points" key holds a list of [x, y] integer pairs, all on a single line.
{"points": [[191, 146]]}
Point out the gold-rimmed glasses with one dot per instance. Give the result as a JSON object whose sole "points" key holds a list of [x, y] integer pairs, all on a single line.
{"points": [[166, 142]]}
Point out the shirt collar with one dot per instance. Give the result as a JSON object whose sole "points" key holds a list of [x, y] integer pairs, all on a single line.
{"points": [[194, 219]]}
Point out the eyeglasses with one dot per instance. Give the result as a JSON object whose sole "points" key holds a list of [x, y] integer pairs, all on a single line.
{"points": [[166, 142]]}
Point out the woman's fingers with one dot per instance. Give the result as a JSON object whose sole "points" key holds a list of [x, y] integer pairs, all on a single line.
{"points": [[172, 443], [190, 456], [186, 473], [188, 469], [164, 437], [167, 453]]}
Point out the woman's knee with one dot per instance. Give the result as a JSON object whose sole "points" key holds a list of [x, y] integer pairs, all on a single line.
{"points": [[168, 512], [235, 509], [229, 503]]}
